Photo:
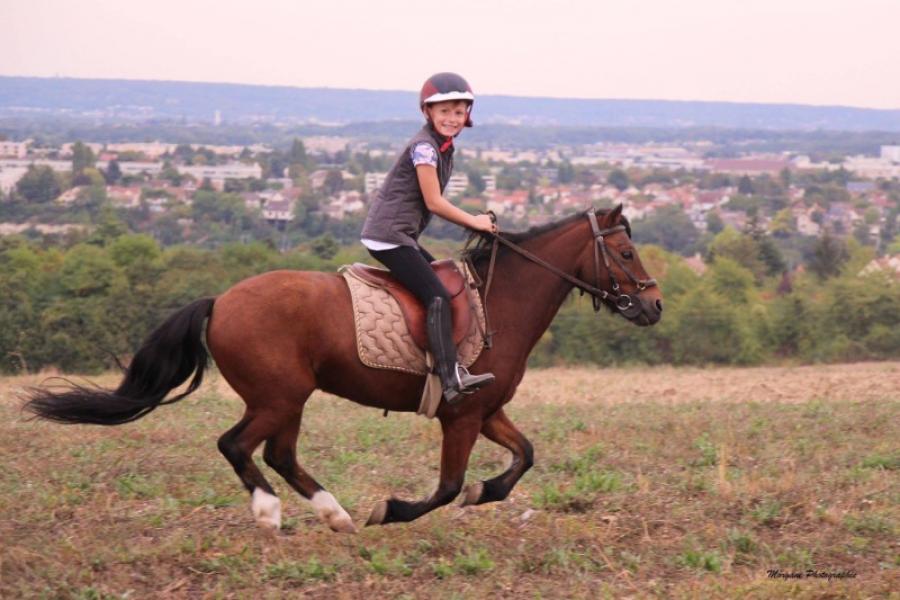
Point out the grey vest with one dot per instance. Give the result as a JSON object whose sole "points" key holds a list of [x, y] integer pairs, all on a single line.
{"points": [[398, 213]]}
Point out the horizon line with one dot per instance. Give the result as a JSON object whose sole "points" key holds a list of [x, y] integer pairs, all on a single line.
{"points": [[494, 95]]}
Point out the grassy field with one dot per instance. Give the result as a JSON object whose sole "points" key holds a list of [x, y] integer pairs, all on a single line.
{"points": [[648, 483]]}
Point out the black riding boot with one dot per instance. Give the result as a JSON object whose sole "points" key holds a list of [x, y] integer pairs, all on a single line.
{"points": [[455, 379]]}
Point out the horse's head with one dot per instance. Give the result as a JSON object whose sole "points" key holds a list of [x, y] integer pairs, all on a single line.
{"points": [[612, 263]]}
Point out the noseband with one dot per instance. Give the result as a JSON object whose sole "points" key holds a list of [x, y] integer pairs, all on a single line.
{"points": [[624, 303]]}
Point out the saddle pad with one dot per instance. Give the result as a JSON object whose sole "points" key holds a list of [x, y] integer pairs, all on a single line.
{"points": [[382, 338]]}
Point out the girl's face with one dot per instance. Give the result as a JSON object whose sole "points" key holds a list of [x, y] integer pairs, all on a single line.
{"points": [[448, 117]]}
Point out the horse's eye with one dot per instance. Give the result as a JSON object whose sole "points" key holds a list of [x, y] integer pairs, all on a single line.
{"points": [[627, 255]]}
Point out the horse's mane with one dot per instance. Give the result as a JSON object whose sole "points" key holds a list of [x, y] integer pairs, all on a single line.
{"points": [[478, 246]]}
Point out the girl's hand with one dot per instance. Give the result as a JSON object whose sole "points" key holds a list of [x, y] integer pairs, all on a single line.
{"points": [[484, 223]]}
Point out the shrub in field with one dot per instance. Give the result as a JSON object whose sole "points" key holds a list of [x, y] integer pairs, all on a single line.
{"points": [[767, 512], [869, 523], [700, 559], [889, 462], [299, 572]]}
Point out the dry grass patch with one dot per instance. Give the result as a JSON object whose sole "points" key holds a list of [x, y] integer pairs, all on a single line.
{"points": [[648, 482]]}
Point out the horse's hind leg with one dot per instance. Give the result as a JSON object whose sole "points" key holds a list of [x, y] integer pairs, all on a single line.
{"points": [[237, 445], [500, 429], [281, 454]]}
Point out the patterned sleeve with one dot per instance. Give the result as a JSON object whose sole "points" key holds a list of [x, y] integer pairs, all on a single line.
{"points": [[423, 154]]}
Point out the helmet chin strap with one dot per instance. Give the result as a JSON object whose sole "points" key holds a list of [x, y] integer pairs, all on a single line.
{"points": [[448, 141]]}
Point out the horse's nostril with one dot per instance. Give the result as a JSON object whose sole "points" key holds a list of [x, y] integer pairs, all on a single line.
{"points": [[659, 305]]}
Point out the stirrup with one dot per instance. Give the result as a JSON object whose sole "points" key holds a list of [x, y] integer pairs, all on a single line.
{"points": [[466, 384]]}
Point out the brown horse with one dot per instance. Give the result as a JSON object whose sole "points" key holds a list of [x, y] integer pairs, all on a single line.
{"points": [[278, 336]]}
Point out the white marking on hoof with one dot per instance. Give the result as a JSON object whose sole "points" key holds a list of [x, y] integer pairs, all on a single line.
{"points": [[266, 509], [473, 494], [331, 513], [378, 514]]}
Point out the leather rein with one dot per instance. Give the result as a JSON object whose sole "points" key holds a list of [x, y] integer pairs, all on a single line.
{"points": [[624, 303]]}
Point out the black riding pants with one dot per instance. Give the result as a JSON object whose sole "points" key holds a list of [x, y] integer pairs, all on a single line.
{"points": [[412, 268]]}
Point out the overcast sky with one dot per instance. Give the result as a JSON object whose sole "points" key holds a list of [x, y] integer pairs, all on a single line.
{"points": [[842, 52]]}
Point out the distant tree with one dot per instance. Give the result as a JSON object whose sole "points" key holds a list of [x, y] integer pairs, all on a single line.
{"points": [[82, 157], [334, 182], [712, 181], [235, 185], [275, 166], [783, 224], [184, 153], [618, 179], [325, 246], [298, 152], [171, 174], [714, 222], [862, 234], [740, 248], [891, 221], [829, 255], [113, 172], [509, 178], [566, 172], [771, 256], [785, 177], [670, 228], [476, 182], [39, 184], [745, 186]]}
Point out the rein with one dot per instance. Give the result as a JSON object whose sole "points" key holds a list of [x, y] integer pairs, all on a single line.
{"points": [[623, 302]]}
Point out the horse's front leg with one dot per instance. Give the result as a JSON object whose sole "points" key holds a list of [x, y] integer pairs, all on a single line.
{"points": [[460, 434], [500, 429]]}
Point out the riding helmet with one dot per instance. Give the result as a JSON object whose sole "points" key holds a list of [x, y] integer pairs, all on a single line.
{"points": [[447, 86]]}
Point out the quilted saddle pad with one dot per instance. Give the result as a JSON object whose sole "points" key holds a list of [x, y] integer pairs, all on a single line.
{"points": [[382, 338]]}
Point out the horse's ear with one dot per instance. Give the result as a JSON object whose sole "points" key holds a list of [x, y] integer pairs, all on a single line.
{"points": [[613, 216]]}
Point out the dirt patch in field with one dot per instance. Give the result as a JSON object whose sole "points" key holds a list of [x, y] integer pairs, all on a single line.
{"points": [[851, 382]]}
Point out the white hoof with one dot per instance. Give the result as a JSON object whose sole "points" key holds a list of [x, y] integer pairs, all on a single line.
{"points": [[331, 513], [473, 494], [266, 509], [379, 513]]}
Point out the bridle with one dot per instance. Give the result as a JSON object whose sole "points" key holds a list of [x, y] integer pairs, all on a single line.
{"points": [[624, 303]]}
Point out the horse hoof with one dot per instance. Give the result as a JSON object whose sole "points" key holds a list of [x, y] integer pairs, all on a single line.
{"points": [[473, 494], [343, 524], [379, 513], [266, 509]]}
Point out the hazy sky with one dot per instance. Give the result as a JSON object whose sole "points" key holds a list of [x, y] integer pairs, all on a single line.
{"points": [[843, 52]]}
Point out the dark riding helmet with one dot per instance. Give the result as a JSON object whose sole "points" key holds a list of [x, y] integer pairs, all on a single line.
{"points": [[442, 87]]}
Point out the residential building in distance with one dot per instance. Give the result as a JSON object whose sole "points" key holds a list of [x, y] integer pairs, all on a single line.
{"points": [[457, 185], [374, 181], [124, 197], [345, 203], [279, 210], [748, 166], [59, 166], [890, 153], [9, 177], [14, 149]]}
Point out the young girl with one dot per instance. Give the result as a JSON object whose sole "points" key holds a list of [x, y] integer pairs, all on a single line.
{"points": [[403, 207]]}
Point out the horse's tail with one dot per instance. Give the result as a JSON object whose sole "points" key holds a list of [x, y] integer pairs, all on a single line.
{"points": [[164, 361]]}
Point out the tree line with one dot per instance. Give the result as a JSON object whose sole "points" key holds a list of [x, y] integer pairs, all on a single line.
{"points": [[85, 306]]}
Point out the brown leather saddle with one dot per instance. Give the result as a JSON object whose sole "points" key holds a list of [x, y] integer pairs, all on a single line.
{"points": [[412, 309]]}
